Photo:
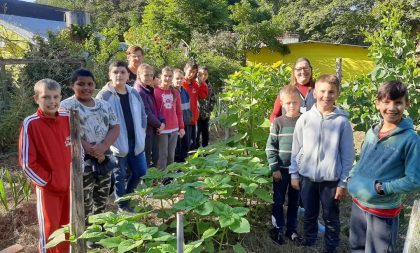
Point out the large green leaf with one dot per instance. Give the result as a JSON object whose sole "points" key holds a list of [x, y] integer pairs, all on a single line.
{"points": [[241, 226], [237, 248], [110, 243], [209, 233], [128, 245]]}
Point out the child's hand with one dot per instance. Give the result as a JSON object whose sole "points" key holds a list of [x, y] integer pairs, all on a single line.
{"points": [[181, 133], [340, 193], [295, 183], [277, 176], [162, 127], [100, 158], [99, 149]]}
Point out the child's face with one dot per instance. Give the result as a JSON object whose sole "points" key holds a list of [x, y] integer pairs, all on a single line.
{"points": [[392, 111], [48, 101], [302, 72], [146, 76], [83, 88], [326, 94], [167, 78], [291, 103], [203, 75], [177, 81], [190, 74], [118, 76]]}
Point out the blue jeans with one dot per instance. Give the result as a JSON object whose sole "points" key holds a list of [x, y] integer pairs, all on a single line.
{"points": [[370, 233], [312, 194], [129, 172], [280, 188]]}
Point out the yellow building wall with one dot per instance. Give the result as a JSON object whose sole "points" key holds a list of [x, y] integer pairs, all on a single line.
{"points": [[322, 56]]}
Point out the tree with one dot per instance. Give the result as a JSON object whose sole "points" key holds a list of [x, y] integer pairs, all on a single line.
{"points": [[117, 14], [254, 24], [327, 20], [174, 20]]}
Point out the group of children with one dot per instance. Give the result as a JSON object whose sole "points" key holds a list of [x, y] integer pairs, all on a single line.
{"points": [[124, 130], [310, 151]]}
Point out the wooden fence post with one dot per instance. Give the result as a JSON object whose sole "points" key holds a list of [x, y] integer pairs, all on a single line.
{"points": [[77, 210], [412, 241], [179, 233], [339, 70]]}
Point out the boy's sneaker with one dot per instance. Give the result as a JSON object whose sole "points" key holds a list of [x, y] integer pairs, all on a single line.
{"points": [[276, 236], [294, 237]]}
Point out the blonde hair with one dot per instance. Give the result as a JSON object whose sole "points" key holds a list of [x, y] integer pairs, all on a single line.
{"points": [[179, 71], [46, 83], [143, 67], [289, 89]]}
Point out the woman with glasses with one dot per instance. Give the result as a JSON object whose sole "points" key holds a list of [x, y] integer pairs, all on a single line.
{"points": [[302, 79]]}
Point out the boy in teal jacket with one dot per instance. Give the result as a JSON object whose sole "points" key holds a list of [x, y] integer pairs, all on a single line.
{"points": [[388, 167]]}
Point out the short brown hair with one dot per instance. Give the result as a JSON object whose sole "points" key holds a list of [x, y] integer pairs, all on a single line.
{"points": [[289, 89], [49, 84], [392, 90], [330, 79], [134, 48], [143, 67]]}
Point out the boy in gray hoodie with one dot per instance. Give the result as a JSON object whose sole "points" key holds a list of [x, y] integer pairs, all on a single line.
{"points": [[322, 156]]}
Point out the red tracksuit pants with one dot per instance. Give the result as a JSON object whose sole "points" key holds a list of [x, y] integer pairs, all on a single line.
{"points": [[53, 212]]}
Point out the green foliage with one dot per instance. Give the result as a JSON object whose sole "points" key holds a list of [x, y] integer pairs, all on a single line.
{"points": [[58, 48], [393, 49], [175, 20], [327, 20], [248, 99], [102, 49], [211, 191], [254, 24], [13, 187]]}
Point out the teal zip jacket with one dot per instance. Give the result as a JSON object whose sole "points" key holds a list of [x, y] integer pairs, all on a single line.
{"points": [[393, 160]]}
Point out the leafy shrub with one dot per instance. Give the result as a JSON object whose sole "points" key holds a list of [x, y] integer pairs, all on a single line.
{"points": [[217, 190], [13, 187], [248, 98], [393, 50]]}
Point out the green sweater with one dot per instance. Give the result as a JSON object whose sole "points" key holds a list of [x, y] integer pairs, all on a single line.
{"points": [[279, 143]]}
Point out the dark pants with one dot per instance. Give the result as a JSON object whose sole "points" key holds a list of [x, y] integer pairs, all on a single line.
{"points": [[312, 194], [135, 166], [203, 130], [280, 188], [183, 146], [370, 233], [193, 144], [151, 150]]}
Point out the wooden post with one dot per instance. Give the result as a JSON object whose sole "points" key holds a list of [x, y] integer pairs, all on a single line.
{"points": [[77, 210], [338, 70], [412, 241], [179, 233]]}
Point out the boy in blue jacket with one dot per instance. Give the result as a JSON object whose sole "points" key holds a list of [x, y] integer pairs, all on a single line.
{"points": [[388, 167], [322, 156]]}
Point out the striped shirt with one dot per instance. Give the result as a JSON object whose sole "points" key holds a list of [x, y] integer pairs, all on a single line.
{"points": [[279, 143]]}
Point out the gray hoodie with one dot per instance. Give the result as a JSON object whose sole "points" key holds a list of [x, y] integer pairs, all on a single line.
{"points": [[120, 147], [323, 148]]}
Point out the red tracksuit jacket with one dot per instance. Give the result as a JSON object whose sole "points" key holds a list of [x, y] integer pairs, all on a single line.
{"points": [[45, 156], [195, 92]]}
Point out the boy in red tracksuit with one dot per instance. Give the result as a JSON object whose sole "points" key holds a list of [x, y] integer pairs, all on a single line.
{"points": [[45, 156], [195, 91]]}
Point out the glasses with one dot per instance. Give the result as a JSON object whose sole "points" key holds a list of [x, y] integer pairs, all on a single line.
{"points": [[306, 69], [136, 56]]}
